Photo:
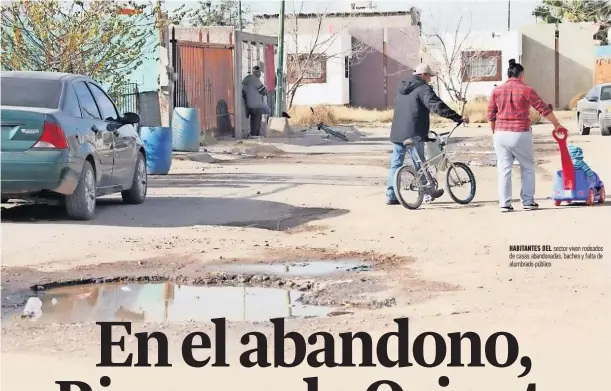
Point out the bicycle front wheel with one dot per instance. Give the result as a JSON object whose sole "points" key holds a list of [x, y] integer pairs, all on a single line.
{"points": [[408, 189], [460, 176]]}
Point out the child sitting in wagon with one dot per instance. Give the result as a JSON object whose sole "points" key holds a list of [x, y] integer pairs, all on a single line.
{"points": [[579, 164]]}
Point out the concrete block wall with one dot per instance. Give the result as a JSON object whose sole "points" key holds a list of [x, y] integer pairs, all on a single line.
{"points": [[577, 59]]}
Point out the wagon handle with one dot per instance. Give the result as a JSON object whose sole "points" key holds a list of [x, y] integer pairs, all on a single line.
{"points": [[568, 171]]}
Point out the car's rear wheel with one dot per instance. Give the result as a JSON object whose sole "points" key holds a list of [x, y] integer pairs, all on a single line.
{"points": [[604, 128], [80, 205], [583, 130], [137, 193]]}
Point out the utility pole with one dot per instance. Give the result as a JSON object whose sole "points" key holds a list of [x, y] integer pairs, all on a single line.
{"points": [[240, 15], [509, 15], [280, 66]]}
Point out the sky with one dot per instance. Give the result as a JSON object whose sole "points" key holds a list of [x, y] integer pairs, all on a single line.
{"points": [[483, 15]]}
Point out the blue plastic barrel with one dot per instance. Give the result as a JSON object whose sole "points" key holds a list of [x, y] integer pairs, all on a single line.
{"points": [[158, 146], [185, 129]]}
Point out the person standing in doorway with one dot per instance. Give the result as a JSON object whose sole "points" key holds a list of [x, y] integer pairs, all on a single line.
{"points": [[509, 118], [254, 93], [415, 100]]}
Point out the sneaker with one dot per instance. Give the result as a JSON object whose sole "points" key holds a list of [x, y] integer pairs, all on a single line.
{"points": [[392, 202], [427, 199], [532, 206], [437, 193], [506, 209]]}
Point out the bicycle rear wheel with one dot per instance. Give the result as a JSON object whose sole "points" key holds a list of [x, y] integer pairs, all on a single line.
{"points": [[460, 175], [336, 134], [406, 183]]}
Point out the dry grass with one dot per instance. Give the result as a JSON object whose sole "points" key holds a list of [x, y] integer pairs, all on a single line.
{"points": [[332, 115], [476, 110], [575, 99]]}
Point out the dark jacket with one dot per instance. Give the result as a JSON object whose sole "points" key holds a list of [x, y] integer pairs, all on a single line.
{"points": [[415, 100]]}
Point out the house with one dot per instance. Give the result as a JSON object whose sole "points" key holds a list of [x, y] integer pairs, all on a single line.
{"points": [[471, 64], [352, 58], [559, 60]]}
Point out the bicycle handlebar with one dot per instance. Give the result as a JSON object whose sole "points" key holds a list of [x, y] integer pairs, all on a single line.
{"points": [[444, 134]]}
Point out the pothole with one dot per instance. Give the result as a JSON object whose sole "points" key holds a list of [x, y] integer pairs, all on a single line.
{"points": [[166, 302], [300, 269], [316, 283]]}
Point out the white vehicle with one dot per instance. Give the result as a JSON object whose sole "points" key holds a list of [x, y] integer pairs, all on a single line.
{"points": [[594, 110]]}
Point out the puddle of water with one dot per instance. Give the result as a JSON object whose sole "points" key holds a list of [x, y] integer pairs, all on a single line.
{"points": [[168, 302], [301, 269]]}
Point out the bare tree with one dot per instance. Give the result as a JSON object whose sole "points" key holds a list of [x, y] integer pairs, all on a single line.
{"points": [[310, 53], [315, 40], [458, 62]]}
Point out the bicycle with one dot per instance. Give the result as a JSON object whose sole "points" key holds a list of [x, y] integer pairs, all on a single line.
{"points": [[425, 177], [329, 131]]}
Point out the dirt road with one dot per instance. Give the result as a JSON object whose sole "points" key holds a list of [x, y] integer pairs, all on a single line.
{"points": [[445, 266]]}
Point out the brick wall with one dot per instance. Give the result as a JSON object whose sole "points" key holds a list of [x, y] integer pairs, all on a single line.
{"points": [[602, 71], [164, 107]]}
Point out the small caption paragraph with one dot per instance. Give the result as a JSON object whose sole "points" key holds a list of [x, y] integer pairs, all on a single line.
{"points": [[543, 256]]}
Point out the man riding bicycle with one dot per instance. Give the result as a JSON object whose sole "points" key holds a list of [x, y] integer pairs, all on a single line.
{"points": [[415, 100]]}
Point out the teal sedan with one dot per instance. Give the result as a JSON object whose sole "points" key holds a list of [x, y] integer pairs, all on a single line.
{"points": [[64, 140]]}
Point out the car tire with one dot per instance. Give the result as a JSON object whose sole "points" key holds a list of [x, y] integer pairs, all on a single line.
{"points": [[81, 204], [583, 130], [604, 128], [137, 192]]}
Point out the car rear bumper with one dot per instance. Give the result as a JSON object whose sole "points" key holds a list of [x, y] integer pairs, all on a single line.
{"points": [[30, 172]]}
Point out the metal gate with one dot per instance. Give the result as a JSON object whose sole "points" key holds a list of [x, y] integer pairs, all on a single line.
{"points": [[126, 97], [204, 80]]}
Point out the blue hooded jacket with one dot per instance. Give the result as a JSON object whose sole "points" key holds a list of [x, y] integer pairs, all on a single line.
{"points": [[578, 162]]}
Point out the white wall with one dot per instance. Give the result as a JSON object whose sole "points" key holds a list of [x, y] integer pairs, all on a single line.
{"points": [[508, 42], [336, 91]]}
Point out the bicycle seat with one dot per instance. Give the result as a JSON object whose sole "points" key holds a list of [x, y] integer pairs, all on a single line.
{"points": [[411, 141]]}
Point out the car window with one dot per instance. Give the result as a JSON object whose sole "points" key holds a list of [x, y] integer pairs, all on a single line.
{"points": [[70, 105], [605, 93], [88, 106], [107, 108], [30, 92], [591, 93]]}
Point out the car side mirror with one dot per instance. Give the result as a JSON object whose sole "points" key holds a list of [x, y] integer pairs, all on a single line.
{"points": [[592, 99], [130, 118]]}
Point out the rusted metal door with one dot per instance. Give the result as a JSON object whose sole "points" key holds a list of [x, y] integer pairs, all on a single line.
{"points": [[205, 81], [367, 69], [382, 58]]}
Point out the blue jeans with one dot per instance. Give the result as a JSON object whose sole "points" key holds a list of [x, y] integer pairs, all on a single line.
{"points": [[397, 158]]}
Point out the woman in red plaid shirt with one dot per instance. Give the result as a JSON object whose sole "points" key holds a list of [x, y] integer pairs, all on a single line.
{"points": [[509, 117]]}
